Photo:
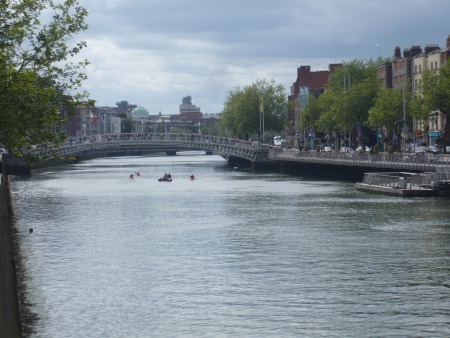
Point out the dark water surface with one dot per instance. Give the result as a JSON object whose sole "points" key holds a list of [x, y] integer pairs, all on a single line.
{"points": [[229, 254]]}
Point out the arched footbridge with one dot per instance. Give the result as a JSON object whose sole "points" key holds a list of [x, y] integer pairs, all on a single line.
{"points": [[233, 150]]}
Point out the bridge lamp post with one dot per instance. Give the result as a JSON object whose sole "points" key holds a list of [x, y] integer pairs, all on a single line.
{"points": [[199, 130]]}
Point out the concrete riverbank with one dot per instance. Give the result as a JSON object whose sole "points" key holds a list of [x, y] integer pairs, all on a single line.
{"points": [[9, 311]]}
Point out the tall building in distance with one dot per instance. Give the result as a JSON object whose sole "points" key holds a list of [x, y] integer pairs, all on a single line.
{"points": [[190, 111]]}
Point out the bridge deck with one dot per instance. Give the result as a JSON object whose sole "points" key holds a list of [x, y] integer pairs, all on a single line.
{"points": [[226, 147]]}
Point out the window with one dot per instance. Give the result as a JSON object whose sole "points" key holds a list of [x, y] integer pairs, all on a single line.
{"points": [[432, 65], [435, 65], [415, 69], [420, 68], [415, 84]]}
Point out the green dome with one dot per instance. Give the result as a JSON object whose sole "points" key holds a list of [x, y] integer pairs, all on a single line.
{"points": [[140, 112]]}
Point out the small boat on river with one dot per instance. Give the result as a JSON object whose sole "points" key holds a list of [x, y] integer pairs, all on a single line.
{"points": [[165, 179]]}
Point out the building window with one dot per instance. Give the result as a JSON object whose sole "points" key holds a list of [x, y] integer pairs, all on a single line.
{"points": [[435, 65], [420, 68], [415, 84], [415, 69], [432, 66]]}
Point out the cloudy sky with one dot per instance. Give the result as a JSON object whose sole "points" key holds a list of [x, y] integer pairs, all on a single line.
{"points": [[155, 52]]}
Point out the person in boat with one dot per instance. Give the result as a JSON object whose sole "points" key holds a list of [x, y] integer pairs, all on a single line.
{"points": [[131, 176], [138, 173], [192, 177], [169, 176]]}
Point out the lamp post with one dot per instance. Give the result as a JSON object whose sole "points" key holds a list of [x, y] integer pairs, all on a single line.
{"points": [[399, 134], [404, 106], [261, 119]]}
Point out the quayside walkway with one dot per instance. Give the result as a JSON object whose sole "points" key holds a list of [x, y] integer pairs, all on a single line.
{"points": [[403, 162]]}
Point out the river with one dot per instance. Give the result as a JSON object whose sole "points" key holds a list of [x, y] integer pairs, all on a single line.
{"points": [[231, 254]]}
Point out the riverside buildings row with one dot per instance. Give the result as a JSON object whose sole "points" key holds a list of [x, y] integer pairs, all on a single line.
{"points": [[407, 67], [88, 121]]}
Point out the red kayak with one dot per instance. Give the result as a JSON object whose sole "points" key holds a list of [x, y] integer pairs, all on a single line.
{"points": [[162, 179], [191, 178]]}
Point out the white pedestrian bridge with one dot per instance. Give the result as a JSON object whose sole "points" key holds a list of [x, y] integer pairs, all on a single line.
{"points": [[169, 143]]}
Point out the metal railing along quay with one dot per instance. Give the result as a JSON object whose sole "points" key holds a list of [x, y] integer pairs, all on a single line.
{"points": [[424, 163]]}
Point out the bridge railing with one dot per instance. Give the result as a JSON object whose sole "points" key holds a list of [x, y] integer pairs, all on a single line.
{"points": [[394, 161], [164, 137], [223, 145]]}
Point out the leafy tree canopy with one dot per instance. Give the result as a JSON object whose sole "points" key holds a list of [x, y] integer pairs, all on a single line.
{"points": [[36, 79], [388, 109], [351, 92], [241, 112]]}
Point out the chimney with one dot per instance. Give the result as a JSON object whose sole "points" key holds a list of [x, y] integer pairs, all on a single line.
{"points": [[415, 50], [397, 53], [407, 53], [430, 48]]}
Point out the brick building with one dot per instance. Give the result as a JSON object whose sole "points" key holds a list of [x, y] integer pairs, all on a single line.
{"points": [[308, 82]]}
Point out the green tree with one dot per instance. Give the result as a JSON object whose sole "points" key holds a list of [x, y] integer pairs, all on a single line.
{"points": [[316, 106], [388, 111], [241, 112], [355, 89], [434, 98], [126, 125], [37, 82], [351, 92]]}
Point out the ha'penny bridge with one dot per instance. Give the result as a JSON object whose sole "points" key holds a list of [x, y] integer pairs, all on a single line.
{"points": [[237, 152]]}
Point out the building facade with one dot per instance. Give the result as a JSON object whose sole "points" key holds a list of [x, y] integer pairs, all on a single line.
{"points": [[307, 83], [405, 72]]}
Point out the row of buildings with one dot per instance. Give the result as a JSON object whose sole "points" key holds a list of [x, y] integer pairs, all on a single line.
{"points": [[88, 121], [408, 66]]}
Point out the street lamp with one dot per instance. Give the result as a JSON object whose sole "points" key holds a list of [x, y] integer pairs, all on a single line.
{"points": [[399, 134]]}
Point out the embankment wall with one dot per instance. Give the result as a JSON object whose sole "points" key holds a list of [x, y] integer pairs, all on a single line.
{"points": [[9, 309]]}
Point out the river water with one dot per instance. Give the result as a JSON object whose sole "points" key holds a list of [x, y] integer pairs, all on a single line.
{"points": [[231, 254]]}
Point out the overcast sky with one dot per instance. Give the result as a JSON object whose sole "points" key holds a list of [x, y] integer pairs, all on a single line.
{"points": [[155, 52]]}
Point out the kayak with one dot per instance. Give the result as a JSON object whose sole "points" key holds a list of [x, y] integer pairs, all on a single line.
{"points": [[191, 178], [162, 179]]}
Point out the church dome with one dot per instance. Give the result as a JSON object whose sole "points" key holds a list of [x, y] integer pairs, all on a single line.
{"points": [[140, 112]]}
